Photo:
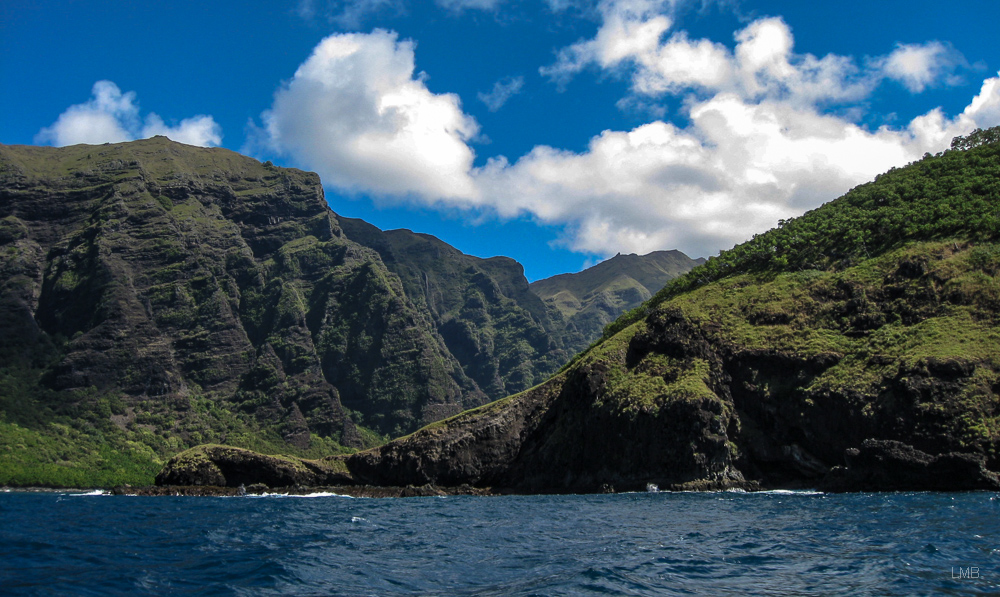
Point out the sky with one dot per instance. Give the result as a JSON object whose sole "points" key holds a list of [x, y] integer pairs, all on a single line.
{"points": [[556, 132]]}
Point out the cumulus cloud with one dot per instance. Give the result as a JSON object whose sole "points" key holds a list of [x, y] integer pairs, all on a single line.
{"points": [[503, 90], [356, 113], [198, 130], [735, 171], [635, 39], [630, 28], [111, 116], [919, 65], [757, 145], [762, 64]]}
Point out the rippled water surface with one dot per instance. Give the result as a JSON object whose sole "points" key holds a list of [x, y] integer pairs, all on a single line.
{"points": [[775, 543]]}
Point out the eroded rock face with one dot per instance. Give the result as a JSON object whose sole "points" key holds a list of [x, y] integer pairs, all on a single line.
{"points": [[163, 274]]}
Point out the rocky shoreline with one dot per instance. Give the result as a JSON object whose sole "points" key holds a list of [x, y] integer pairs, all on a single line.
{"points": [[356, 491], [877, 465]]}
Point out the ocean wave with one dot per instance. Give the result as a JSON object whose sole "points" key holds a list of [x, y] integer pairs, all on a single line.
{"points": [[88, 493]]}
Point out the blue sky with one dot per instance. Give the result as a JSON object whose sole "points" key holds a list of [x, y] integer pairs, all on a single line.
{"points": [[557, 132]]}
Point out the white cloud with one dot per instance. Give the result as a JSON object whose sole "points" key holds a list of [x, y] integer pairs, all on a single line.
{"points": [[735, 171], [111, 116], [503, 90], [761, 65], [355, 113], [984, 111], [633, 40], [199, 130], [757, 146], [919, 65], [106, 118], [630, 28]]}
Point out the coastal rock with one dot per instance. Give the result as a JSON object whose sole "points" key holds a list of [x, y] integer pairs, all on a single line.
{"points": [[886, 465], [225, 466]]}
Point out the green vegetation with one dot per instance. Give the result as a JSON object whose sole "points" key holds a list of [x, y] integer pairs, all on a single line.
{"points": [[876, 316], [89, 439], [894, 288], [240, 311], [951, 195]]}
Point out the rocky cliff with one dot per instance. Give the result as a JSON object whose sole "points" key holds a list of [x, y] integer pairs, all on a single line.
{"points": [[166, 295], [501, 333]]}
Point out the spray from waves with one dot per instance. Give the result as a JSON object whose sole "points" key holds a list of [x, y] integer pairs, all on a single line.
{"points": [[318, 494]]}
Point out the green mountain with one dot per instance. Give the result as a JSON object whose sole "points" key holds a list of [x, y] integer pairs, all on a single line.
{"points": [[589, 300], [855, 347]]}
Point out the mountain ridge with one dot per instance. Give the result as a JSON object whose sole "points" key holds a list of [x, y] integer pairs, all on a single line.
{"points": [[593, 298]]}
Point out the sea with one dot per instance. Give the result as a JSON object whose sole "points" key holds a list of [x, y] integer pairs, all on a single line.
{"points": [[652, 543]]}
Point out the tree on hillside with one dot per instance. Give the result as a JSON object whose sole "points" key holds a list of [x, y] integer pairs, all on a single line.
{"points": [[976, 138]]}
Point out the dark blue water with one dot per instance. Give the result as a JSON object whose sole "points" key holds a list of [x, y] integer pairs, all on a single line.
{"points": [[628, 544]]}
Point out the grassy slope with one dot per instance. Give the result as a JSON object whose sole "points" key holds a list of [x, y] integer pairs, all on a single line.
{"points": [[589, 300], [899, 279], [650, 272]]}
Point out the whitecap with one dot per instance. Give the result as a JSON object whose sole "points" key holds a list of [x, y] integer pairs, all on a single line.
{"points": [[792, 492], [322, 494], [89, 493]]}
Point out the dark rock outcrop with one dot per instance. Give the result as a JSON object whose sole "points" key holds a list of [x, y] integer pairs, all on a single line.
{"points": [[163, 275], [501, 333], [885, 465]]}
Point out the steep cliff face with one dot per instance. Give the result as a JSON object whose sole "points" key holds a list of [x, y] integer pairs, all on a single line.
{"points": [[502, 334], [197, 294], [863, 335]]}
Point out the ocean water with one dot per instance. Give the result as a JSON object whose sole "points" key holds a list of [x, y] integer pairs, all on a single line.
{"points": [[773, 543]]}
